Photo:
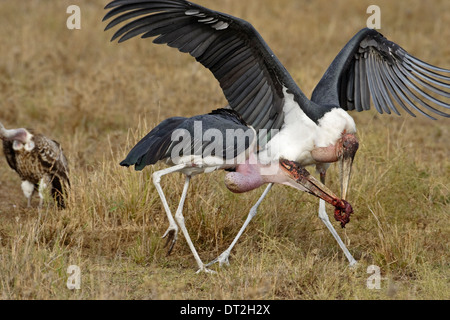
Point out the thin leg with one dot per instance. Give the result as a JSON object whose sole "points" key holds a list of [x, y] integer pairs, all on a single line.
{"points": [[28, 190], [223, 258], [42, 187], [326, 220], [180, 219], [172, 231]]}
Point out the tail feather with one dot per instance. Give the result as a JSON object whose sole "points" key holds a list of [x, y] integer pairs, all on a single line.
{"points": [[59, 190], [153, 146]]}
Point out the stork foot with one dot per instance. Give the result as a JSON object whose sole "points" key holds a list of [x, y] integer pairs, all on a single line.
{"points": [[205, 270], [222, 260], [353, 263], [172, 235]]}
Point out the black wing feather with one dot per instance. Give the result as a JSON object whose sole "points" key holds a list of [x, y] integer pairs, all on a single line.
{"points": [[159, 143], [370, 66], [153, 146], [230, 47]]}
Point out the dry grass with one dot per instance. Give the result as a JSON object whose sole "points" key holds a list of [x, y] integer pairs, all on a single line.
{"points": [[99, 98]]}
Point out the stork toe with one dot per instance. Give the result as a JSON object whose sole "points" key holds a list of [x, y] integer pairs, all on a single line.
{"points": [[172, 235], [205, 270], [222, 259]]}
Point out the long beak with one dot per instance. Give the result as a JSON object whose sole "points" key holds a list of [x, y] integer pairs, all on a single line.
{"points": [[345, 172], [306, 182], [350, 145], [301, 179]]}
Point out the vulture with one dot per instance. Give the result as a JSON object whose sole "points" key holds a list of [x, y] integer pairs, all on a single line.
{"points": [[39, 161]]}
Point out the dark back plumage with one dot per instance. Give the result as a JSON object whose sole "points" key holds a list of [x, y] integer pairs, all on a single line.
{"points": [[159, 143], [55, 163]]}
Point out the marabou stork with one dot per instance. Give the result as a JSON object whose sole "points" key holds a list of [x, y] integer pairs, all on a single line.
{"points": [[218, 140], [316, 131], [39, 161]]}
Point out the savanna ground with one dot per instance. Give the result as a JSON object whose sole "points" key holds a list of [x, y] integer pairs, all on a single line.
{"points": [[98, 98]]}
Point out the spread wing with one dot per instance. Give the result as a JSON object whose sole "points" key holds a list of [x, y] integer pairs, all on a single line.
{"points": [[251, 76], [372, 67]]}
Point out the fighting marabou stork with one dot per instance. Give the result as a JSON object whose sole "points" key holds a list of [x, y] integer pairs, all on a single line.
{"points": [[39, 161], [316, 131], [219, 140]]}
